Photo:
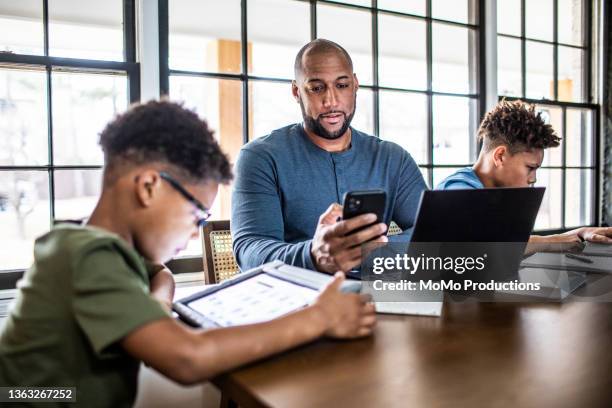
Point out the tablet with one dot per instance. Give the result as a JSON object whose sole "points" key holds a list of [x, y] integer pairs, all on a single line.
{"points": [[258, 295]]}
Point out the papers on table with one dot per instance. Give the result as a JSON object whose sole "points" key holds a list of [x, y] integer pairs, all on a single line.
{"points": [[581, 262]]}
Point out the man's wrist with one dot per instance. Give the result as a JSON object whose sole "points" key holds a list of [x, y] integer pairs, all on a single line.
{"points": [[311, 261]]}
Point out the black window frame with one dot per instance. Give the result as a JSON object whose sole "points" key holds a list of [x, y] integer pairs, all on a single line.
{"points": [[130, 67], [588, 97]]}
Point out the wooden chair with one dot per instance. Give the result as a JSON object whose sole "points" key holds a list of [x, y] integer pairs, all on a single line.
{"points": [[79, 221], [217, 254], [394, 229]]}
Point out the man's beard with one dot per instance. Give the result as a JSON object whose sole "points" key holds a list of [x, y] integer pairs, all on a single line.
{"points": [[317, 128]]}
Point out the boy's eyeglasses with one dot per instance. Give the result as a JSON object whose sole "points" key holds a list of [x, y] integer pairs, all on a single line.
{"points": [[203, 212]]}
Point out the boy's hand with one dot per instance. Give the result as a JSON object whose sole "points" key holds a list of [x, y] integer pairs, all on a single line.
{"points": [[595, 234], [347, 315]]}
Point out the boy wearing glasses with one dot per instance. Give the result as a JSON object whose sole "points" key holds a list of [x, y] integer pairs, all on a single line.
{"points": [[94, 304]]}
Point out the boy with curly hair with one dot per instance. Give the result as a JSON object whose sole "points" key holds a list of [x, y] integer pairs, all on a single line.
{"points": [[514, 137], [94, 305]]}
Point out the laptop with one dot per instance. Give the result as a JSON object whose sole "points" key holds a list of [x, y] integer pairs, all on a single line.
{"points": [[477, 215], [497, 221]]}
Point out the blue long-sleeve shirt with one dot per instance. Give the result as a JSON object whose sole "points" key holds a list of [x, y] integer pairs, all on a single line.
{"points": [[284, 182]]}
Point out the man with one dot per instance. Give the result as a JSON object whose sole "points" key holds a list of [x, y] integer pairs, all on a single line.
{"points": [[90, 308], [514, 138], [289, 183]]}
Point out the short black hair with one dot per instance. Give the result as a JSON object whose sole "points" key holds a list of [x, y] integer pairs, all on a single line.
{"points": [[319, 46], [518, 126], [167, 133]]}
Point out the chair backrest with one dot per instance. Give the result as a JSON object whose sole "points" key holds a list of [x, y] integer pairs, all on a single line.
{"points": [[218, 256], [79, 221], [394, 229]]}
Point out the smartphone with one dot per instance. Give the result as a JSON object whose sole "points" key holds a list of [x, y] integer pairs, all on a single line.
{"points": [[363, 202]]}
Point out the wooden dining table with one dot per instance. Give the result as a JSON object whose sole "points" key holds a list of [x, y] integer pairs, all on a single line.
{"points": [[555, 354]]}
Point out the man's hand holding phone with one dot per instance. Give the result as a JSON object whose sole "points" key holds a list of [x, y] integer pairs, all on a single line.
{"points": [[336, 245]]}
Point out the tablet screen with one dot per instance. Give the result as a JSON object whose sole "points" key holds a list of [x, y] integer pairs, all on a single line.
{"points": [[260, 298]]}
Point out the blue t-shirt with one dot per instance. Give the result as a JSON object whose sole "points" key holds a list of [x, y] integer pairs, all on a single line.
{"points": [[284, 182], [464, 178]]}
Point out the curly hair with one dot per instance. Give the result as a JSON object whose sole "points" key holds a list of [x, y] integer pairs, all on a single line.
{"points": [[165, 132], [518, 126]]}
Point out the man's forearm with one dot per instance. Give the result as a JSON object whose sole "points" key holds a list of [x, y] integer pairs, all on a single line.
{"points": [[253, 252]]}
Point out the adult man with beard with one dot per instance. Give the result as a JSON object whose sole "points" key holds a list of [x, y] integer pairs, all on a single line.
{"points": [[289, 183]]}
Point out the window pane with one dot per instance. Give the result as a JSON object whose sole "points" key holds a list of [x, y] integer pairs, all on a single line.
{"points": [[463, 11], [194, 246], [332, 23], [365, 3], [425, 172], [552, 115], [539, 19], [404, 6], [571, 70], [570, 21], [92, 30], [21, 27], [273, 107], [76, 193], [453, 130], [439, 174], [219, 102], [453, 57], [204, 35], [402, 52], [579, 197], [549, 216], [509, 17], [403, 120], [579, 137], [23, 117], [539, 62], [24, 215], [277, 31], [364, 111], [509, 66], [82, 106]]}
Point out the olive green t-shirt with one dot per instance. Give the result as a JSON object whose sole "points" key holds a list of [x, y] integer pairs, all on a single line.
{"points": [[86, 290]]}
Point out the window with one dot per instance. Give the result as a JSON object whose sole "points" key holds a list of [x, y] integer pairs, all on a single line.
{"points": [[544, 58], [66, 68], [415, 60]]}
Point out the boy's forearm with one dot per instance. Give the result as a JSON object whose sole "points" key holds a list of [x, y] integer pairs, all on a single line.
{"points": [[162, 287], [223, 349]]}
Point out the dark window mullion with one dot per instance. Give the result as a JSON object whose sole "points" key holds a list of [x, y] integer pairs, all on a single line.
{"points": [[245, 70], [429, 56], [523, 53], [313, 19], [164, 51], [46, 27], [563, 163], [556, 50], [376, 94], [587, 33], [51, 170], [48, 76], [129, 50], [129, 31]]}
